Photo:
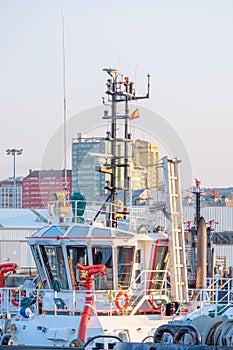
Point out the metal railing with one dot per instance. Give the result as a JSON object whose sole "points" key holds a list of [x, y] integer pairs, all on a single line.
{"points": [[74, 301], [101, 213], [212, 300], [145, 290]]}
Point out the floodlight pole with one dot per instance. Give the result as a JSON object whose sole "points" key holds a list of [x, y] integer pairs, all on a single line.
{"points": [[13, 152]]}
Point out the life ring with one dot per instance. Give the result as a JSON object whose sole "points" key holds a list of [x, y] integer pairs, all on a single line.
{"points": [[117, 301], [14, 301], [189, 330]]}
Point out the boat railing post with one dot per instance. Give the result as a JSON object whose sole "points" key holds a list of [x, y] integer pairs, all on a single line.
{"points": [[9, 299], [144, 279], [228, 292], [74, 303], [167, 287], [110, 299], [8, 294], [231, 288], [1, 300], [75, 211], [55, 305], [216, 298], [111, 212]]}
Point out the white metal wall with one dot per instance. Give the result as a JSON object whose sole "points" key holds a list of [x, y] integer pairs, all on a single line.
{"points": [[14, 248], [223, 216], [225, 251]]}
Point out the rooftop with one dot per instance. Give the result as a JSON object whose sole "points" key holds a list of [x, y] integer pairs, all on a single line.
{"points": [[28, 218]]}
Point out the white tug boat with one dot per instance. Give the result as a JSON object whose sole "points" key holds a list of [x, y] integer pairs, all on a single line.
{"points": [[106, 272]]}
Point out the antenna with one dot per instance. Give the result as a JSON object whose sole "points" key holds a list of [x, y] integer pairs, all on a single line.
{"points": [[114, 87], [64, 96], [148, 85]]}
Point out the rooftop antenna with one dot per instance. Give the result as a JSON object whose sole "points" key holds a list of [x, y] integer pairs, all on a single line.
{"points": [[64, 97]]}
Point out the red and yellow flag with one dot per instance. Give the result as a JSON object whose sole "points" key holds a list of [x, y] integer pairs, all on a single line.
{"points": [[134, 114]]}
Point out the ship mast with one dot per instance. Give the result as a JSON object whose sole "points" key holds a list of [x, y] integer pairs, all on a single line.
{"points": [[64, 99], [119, 90]]}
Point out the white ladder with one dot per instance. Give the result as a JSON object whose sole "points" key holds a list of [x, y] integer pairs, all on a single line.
{"points": [[175, 229]]}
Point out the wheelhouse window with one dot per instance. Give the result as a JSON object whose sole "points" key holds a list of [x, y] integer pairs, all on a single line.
{"points": [[55, 264], [77, 255], [103, 255], [42, 279], [125, 258]]}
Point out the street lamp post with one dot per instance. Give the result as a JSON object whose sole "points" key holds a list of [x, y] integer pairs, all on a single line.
{"points": [[13, 152]]}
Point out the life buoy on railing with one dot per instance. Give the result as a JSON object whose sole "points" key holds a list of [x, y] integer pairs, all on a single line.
{"points": [[119, 305], [14, 300]]}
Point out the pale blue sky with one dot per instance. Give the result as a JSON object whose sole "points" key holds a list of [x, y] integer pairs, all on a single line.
{"points": [[186, 46]]}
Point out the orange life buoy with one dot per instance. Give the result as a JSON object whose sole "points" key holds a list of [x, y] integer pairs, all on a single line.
{"points": [[14, 301], [117, 301]]}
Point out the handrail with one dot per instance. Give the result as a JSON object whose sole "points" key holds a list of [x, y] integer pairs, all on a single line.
{"points": [[217, 295], [209, 299], [63, 211], [142, 292], [135, 293]]}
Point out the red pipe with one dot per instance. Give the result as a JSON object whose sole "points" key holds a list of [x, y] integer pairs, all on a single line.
{"points": [[86, 315], [4, 268]]}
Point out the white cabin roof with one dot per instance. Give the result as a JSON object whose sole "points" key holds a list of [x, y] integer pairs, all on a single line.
{"points": [[28, 218]]}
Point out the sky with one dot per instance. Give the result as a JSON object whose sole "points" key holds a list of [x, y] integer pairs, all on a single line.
{"points": [[185, 45]]}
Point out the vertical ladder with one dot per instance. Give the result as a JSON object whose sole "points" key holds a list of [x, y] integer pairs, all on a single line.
{"points": [[175, 229]]}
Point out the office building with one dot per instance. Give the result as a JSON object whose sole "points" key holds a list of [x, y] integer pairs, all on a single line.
{"points": [[40, 186], [7, 190], [87, 155]]}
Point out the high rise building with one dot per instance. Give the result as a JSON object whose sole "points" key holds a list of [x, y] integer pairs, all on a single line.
{"points": [[40, 186], [6, 193], [146, 155], [87, 155]]}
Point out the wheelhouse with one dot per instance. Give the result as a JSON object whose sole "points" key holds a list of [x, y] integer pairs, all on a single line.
{"points": [[58, 250]]}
